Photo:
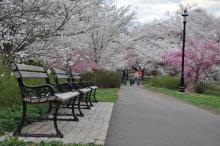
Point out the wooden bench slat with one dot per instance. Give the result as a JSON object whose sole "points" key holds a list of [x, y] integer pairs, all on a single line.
{"points": [[75, 74], [58, 71], [76, 77], [62, 76], [23, 67], [27, 74]]}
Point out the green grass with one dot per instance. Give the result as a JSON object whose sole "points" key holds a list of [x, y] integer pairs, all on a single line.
{"points": [[107, 94], [10, 97], [10, 116], [206, 100], [13, 141], [163, 82]]}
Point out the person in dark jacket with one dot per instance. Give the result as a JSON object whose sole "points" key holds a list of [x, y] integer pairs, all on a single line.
{"points": [[125, 75]]}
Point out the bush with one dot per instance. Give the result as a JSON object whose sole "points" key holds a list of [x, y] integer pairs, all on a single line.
{"points": [[9, 90], [164, 82], [36, 62], [200, 88], [88, 76], [103, 78]]}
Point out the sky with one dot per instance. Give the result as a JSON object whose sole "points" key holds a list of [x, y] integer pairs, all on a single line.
{"points": [[149, 10]]}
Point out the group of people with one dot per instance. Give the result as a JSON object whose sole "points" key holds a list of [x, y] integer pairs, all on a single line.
{"points": [[134, 75]]}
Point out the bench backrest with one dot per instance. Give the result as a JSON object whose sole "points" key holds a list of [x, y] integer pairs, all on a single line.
{"points": [[28, 71], [75, 77], [23, 71], [59, 74]]}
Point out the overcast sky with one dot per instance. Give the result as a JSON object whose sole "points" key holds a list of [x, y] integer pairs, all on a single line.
{"points": [[149, 10]]}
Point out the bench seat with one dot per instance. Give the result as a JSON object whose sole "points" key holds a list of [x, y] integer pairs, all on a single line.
{"points": [[63, 97], [84, 90], [66, 96], [93, 87]]}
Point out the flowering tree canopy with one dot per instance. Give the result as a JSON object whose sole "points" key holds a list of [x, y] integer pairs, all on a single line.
{"points": [[152, 40], [200, 56], [74, 60]]}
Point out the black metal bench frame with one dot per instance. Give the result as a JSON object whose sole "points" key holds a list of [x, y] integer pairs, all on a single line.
{"points": [[85, 84], [61, 74], [36, 95]]}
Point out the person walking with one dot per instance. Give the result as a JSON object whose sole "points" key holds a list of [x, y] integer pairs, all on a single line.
{"points": [[125, 76], [131, 78], [139, 74]]}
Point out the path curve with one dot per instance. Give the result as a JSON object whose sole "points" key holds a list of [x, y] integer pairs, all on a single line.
{"points": [[145, 118]]}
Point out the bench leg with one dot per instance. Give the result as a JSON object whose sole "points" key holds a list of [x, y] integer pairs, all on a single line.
{"points": [[79, 108], [90, 101], [94, 95], [20, 126], [58, 133], [73, 111], [87, 105], [50, 107]]}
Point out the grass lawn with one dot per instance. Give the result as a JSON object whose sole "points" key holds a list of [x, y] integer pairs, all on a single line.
{"points": [[205, 100], [107, 95], [10, 115]]}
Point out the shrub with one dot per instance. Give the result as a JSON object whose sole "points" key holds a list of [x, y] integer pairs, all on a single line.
{"points": [[9, 90], [36, 62], [88, 76], [164, 82], [103, 78], [200, 88]]}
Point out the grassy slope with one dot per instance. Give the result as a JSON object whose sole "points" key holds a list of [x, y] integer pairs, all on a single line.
{"points": [[10, 115], [10, 107], [203, 100], [107, 95]]}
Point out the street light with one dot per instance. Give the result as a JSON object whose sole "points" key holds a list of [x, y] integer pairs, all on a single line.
{"points": [[182, 87]]}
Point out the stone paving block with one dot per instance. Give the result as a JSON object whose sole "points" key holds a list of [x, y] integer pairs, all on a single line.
{"points": [[92, 128], [100, 142]]}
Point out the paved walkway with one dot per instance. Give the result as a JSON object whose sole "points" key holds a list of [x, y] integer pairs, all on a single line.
{"points": [[92, 128], [145, 118]]}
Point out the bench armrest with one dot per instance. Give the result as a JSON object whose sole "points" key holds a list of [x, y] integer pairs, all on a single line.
{"points": [[91, 83], [42, 91], [62, 88], [75, 86]]}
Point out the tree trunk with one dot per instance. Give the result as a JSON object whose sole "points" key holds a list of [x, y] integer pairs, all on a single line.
{"points": [[191, 88]]}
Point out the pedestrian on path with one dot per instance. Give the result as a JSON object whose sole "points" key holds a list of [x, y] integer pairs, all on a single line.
{"points": [[125, 75], [139, 76], [132, 79]]}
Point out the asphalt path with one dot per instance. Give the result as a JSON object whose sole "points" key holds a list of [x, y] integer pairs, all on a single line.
{"points": [[146, 118]]}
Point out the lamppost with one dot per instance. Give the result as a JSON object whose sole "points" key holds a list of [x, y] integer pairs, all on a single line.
{"points": [[182, 87]]}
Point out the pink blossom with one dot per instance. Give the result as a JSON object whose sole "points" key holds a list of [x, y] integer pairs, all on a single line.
{"points": [[200, 56], [81, 61]]}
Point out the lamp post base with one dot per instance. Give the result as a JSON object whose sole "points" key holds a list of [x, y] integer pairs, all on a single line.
{"points": [[181, 89]]}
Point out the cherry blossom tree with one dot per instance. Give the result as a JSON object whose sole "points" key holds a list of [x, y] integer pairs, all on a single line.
{"points": [[26, 25], [112, 23], [74, 60], [153, 40], [105, 35], [200, 56]]}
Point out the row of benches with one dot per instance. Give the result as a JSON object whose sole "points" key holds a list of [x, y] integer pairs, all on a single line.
{"points": [[64, 93]]}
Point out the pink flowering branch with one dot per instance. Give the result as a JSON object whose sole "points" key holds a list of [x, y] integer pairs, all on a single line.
{"points": [[200, 56]]}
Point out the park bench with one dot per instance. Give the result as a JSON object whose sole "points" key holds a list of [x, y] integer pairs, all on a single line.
{"points": [[62, 76], [86, 84], [40, 94]]}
